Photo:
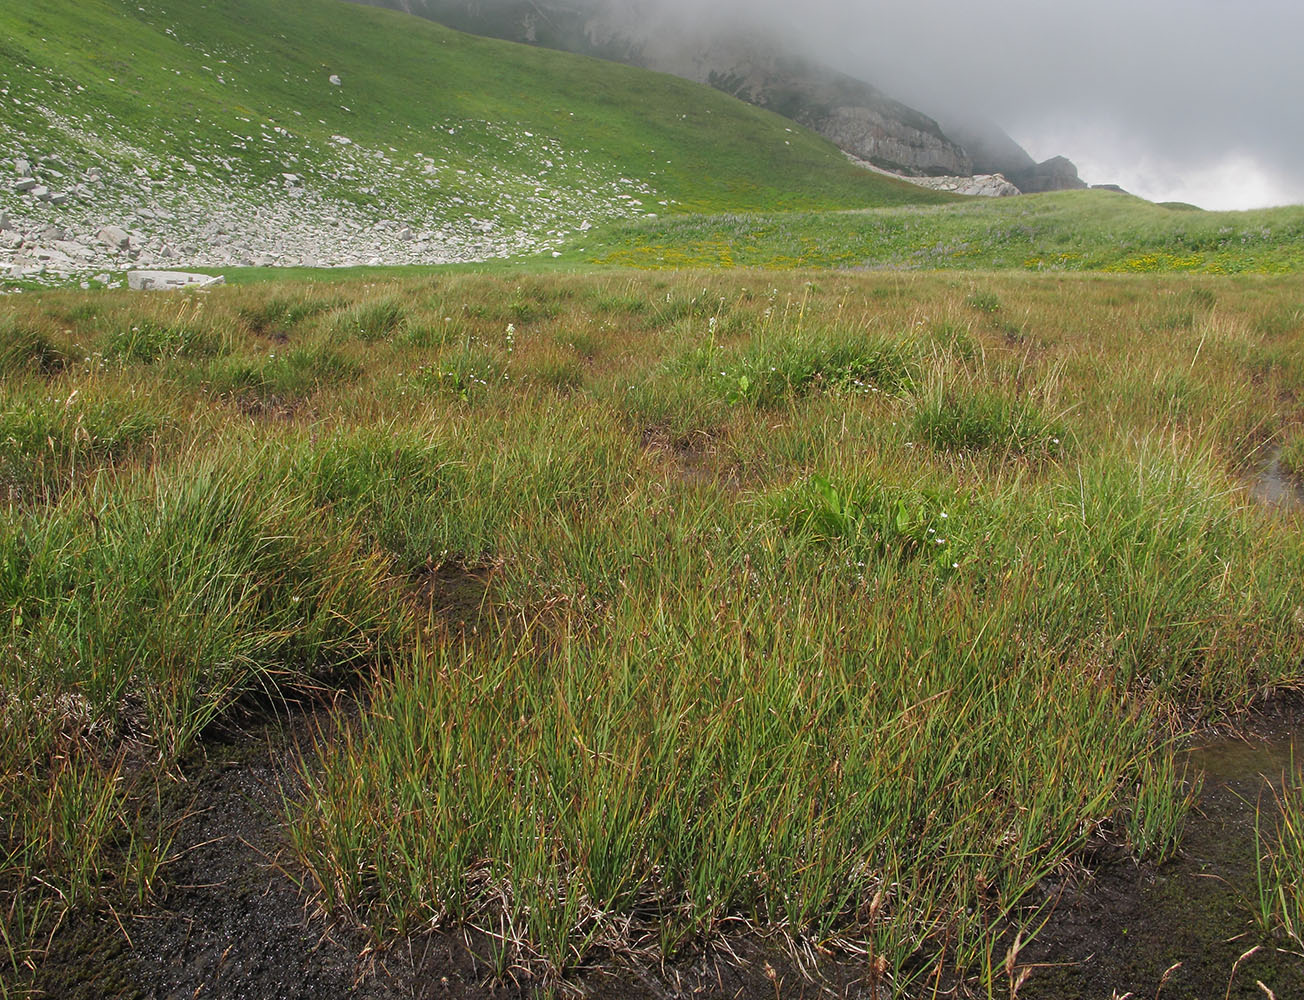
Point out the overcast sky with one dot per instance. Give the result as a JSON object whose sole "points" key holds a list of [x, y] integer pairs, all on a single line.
{"points": [[1191, 100]]}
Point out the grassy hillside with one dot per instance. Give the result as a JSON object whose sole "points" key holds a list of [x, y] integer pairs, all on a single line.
{"points": [[1072, 231], [240, 91], [668, 597]]}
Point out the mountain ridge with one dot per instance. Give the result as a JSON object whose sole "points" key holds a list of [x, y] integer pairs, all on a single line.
{"points": [[855, 115]]}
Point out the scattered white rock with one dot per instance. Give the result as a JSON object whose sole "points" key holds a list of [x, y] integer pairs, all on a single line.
{"points": [[336, 81], [216, 215], [170, 281]]}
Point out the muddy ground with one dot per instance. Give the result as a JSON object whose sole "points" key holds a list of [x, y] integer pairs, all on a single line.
{"points": [[1183, 930], [233, 925]]}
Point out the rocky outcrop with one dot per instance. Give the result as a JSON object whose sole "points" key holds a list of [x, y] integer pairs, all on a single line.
{"points": [[871, 135], [1055, 174], [978, 186]]}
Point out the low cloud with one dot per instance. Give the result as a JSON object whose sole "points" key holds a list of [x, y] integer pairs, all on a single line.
{"points": [[1197, 100]]}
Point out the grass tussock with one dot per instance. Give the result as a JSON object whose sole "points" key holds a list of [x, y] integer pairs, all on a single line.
{"points": [[987, 420], [49, 442], [29, 350], [1280, 859], [1292, 454], [368, 321], [281, 378]]}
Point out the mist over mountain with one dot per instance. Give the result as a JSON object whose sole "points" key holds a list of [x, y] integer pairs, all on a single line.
{"points": [[759, 60]]}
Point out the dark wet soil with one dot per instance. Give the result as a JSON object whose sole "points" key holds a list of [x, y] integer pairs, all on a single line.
{"points": [[456, 593], [1124, 930], [230, 923]]}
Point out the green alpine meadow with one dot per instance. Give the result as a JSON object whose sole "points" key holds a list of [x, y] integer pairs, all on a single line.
{"points": [[686, 563]]}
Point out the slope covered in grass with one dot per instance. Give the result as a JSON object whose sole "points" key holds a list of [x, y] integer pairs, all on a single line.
{"points": [[1071, 231], [183, 105]]}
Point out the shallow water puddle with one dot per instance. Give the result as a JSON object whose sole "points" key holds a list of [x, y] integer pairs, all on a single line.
{"points": [[1277, 488], [1126, 932]]}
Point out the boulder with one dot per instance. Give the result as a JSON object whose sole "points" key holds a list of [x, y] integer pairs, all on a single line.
{"points": [[40, 193], [336, 81], [22, 167], [72, 248], [170, 281], [24, 184], [55, 259], [114, 236], [4, 221]]}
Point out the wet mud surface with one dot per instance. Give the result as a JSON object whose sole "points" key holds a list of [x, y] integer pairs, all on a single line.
{"points": [[229, 923], [1184, 930]]}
